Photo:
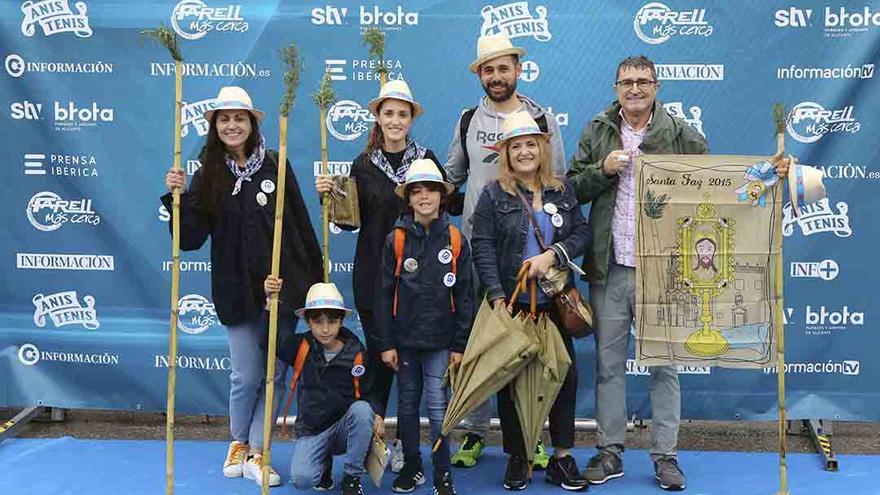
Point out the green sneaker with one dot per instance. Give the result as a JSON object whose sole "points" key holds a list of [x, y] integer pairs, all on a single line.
{"points": [[542, 458], [469, 451]]}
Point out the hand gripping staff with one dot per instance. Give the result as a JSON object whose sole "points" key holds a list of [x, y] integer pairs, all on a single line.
{"points": [[168, 38]]}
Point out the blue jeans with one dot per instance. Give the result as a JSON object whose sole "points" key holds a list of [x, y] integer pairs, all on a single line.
{"points": [[350, 435], [420, 370], [247, 382]]}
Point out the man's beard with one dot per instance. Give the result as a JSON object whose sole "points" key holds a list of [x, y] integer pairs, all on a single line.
{"points": [[706, 262], [509, 90]]}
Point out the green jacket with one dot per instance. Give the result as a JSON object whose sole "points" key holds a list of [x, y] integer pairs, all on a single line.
{"points": [[665, 134]]}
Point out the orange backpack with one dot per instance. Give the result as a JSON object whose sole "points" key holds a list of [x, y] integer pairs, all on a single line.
{"points": [[400, 241]]}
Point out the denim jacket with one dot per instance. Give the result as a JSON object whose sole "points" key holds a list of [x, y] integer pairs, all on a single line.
{"points": [[500, 228]]}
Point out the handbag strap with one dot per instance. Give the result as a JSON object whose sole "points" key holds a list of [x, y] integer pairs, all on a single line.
{"points": [[532, 220]]}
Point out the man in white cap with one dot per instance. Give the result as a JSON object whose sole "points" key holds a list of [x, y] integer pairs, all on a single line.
{"points": [[473, 159]]}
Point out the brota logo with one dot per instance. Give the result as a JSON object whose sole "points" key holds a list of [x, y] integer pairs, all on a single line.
{"points": [[195, 314], [193, 19], [65, 309], [47, 211], [55, 16], [656, 23], [843, 23], [676, 109], [793, 17], [825, 269], [390, 20], [193, 114], [515, 20], [809, 121], [817, 217], [347, 120], [822, 320]]}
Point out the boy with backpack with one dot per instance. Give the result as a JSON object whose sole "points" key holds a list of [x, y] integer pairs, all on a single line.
{"points": [[425, 315], [333, 415]]}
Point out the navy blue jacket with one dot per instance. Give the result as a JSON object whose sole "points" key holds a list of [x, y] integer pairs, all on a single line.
{"points": [[500, 228], [241, 243], [424, 312], [325, 390]]}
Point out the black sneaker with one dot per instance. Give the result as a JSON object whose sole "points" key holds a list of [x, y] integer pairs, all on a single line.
{"points": [[668, 474], [443, 484], [563, 472], [516, 476], [351, 485], [604, 466], [326, 483], [409, 478]]}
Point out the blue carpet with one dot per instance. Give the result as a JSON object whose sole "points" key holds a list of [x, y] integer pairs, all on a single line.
{"points": [[71, 466]]}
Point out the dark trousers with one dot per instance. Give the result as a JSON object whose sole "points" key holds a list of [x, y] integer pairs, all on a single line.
{"points": [[379, 374], [562, 412]]}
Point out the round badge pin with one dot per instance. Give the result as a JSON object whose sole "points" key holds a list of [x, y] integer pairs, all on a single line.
{"points": [[550, 208], [449, 279], [262, 199], [267, 186], [411, 265], [444, 256], [556, 220], [358, 370]]}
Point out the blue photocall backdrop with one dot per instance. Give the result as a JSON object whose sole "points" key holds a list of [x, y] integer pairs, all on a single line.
{"points": [[87, 110]]}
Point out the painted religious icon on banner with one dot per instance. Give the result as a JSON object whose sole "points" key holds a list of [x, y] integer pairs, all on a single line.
{"points": [[706, 248]]}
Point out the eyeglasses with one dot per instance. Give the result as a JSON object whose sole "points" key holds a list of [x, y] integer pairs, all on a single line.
{"points": [[642, 84]]}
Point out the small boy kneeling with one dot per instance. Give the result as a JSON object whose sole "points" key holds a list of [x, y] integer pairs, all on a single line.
{"points": [[333, 416]]}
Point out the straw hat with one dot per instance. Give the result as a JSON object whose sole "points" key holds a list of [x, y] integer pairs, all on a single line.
{"points": [[519, 124], [422, 170], [494, 46], [234, 98], [397, 89], [323, 296], [804, 185]]}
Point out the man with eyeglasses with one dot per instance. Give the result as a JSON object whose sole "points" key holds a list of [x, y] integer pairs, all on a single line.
{"points": [[602, 174]]}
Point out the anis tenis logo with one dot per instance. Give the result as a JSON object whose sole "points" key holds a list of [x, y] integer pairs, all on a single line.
{"points": [[515, 20], [55, 16]]}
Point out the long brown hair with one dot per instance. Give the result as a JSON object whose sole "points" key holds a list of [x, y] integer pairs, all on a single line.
{"points": [[545, 177], [376, 141], [216, 179]]}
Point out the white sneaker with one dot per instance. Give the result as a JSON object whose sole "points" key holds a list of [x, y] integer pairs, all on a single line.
{"points": [[396, 461], [233, 466], [253, 471]]}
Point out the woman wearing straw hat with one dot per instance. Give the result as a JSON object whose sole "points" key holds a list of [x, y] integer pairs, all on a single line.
{"points": [[232, 200], [377, 171], [503, 240]]}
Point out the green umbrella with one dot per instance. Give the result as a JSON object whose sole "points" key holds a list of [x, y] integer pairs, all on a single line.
{"points": [[499, 347], [536, 387]]}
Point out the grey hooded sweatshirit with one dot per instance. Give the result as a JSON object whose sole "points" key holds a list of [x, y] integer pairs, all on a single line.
{"points": [[484, 130]]}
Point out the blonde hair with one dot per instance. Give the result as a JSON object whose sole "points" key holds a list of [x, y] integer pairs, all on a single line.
{"points": [[545, 177]]}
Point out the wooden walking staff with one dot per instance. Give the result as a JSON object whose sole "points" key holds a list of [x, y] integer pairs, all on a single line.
{"points": [[290, 56], [168, 39], [779, 117], [324, 98], [376, 39]]}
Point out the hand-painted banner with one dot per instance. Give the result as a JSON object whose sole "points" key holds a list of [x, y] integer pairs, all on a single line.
{"points": [[707, 248]]}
